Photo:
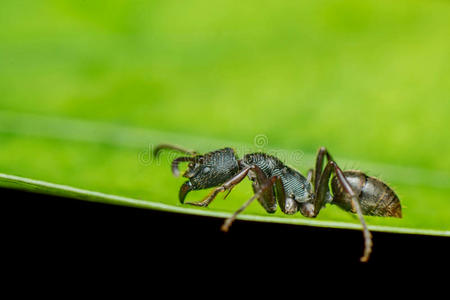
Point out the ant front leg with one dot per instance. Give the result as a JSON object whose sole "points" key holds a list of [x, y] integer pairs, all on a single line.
{"points": [[321, 193], [229, 185]]}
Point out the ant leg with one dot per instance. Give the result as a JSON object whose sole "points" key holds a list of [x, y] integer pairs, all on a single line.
{"points": [[267, 186], [319, 165], [226, 186], [322, 190], [357, 207], [286, 202], [267, 198], [160, 147]]}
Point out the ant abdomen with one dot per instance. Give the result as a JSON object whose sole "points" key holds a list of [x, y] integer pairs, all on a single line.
{"points": [[376, 198]]}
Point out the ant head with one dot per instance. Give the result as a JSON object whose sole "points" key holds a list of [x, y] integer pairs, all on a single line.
{"points": [[203, 173], [210, 170]]}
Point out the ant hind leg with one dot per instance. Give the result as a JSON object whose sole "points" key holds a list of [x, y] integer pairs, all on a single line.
{"points": [[321, 194]]}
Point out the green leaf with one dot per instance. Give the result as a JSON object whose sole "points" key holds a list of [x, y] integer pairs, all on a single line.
{"points": [[87, 90], [115, 163], [15, 182]]}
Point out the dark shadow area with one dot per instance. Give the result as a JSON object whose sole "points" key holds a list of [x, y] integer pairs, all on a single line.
{"points": [[50, 232]]}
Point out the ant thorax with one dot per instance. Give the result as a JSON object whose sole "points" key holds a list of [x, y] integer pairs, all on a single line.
{"points": [[296, 186]]}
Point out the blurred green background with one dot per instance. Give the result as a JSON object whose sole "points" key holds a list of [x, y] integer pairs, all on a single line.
{"points": [[87, 86]]}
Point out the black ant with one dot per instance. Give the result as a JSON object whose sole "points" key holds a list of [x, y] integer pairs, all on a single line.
{"points": [[274, 182]]}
